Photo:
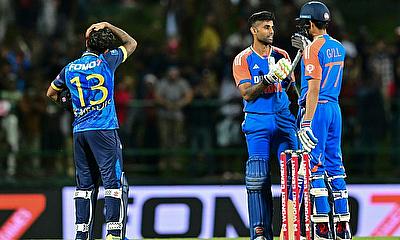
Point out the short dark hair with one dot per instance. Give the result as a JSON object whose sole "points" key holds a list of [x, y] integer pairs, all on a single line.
{"points": [[261, 16], [320, 24], [101, 40]]}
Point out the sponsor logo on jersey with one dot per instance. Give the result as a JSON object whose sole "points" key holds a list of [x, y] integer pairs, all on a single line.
{"points": [[310, 68], [80, 112], [84, 66], [256, 66]]}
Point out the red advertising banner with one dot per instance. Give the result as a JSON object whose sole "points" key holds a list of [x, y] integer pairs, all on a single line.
{"points": [[27, 214], [26, 209]]}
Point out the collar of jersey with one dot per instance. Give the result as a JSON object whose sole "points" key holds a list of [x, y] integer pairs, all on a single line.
{"points": [[321, 36], [263, 57], [89, 53]]}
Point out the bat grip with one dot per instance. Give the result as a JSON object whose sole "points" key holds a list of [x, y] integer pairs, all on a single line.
{"points": [[295, 61]]}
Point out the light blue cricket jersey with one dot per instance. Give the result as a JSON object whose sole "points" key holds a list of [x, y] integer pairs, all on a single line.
{"points": [[90, 79]]}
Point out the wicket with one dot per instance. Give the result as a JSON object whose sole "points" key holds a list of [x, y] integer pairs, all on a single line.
{"points": [[298, 178]]}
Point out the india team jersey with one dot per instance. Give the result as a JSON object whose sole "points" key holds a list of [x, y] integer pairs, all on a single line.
{"points": [[90, 79], [251, 67], [323, 60]]}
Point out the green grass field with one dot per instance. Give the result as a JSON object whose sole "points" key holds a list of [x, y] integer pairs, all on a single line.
{"points": [[276, 238]]}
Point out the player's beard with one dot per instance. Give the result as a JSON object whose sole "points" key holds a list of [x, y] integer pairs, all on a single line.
{"points": [[266, 40]]}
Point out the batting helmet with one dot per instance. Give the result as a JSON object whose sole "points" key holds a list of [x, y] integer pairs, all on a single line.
{"points": [[316, 11]]}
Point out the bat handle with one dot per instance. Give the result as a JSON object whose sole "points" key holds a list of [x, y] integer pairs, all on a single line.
{"points": [[295, 61], [294, 64]]}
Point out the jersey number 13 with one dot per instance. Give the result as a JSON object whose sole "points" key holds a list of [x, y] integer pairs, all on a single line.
{"points": [[98, 86]]}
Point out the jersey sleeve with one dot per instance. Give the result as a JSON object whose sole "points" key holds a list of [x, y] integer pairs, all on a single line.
{"points": [[312, 65], [59, 82], [115, 57], [240, 69]]}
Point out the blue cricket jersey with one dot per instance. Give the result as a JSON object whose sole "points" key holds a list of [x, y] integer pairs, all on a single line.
{"points": [[90, 79], [323, 60], [251, 67]]}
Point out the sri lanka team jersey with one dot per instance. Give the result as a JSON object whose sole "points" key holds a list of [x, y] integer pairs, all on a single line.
{"points": [[323, 60], [251, 67], [90, 79]]}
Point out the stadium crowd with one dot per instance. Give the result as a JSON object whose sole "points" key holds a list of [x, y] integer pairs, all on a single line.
{"points": [[176, 101]]}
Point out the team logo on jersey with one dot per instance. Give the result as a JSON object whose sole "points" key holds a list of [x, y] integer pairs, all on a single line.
{"points": [[310, 68], [256, 66], [114, 52], [326, 16]]}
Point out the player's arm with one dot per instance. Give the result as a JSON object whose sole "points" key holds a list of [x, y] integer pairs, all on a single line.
{"points": [[250, 92], [312, 98], [56, 86], [276, 74], [52, 94], [314, 76], [242, 77], [128, 42], [59, 93]]}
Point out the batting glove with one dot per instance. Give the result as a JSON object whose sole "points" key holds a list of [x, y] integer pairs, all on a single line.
{"points": [[299, 41], [306, 136], [278, 72]]}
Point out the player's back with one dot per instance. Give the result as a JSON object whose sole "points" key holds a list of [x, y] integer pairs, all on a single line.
{"points": [[90, 80], [327, 66]]}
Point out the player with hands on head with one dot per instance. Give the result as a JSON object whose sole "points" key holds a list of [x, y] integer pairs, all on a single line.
{"points": [[261, 75], [321, 121], [97, 148]]}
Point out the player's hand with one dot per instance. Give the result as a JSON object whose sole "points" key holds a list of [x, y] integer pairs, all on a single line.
{"points": [[306, 136], [96, 27], [299, 41], [64, 99], [278, 72]]}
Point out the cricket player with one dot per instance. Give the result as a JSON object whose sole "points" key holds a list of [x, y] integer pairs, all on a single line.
{"points": [[321, 121], [97, 147], [260, 73]]}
